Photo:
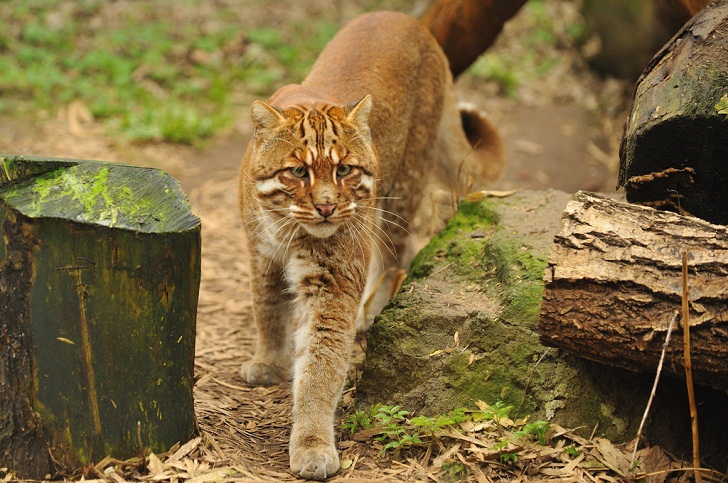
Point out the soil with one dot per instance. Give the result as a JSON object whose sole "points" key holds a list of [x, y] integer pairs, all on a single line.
{"points": [[561, 131]]}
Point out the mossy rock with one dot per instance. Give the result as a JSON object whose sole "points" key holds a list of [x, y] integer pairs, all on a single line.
{"points": [[481, 278]]}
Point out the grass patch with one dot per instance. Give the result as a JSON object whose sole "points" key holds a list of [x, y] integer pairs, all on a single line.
{"points": [[536, 54], [393, 430], [152, 71]]}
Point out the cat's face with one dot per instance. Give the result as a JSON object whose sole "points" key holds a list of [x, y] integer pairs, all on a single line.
{"points": [[313, 166]]}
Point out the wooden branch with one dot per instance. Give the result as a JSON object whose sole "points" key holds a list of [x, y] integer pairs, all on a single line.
{"points": [[99, 277], [613, 281]]}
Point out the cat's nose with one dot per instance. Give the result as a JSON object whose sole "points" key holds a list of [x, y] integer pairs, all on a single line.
{"points": [[325, 210]]}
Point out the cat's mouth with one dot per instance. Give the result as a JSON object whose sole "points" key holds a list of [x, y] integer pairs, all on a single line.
{"points": [[323, 229]]}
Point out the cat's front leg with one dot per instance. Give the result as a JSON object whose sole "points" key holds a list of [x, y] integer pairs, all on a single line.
{"points": [[271, 363], [323, 346], [328, 300]]}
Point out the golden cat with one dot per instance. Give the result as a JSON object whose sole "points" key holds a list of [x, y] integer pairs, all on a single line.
{"points": [[328, 187]]}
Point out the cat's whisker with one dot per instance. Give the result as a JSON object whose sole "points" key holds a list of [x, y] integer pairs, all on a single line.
{"points": [[389, 246], [250, 180], [385, 232], [375, 198], [260, 215], [293, 227], [353, 229], [365, 231], [290, 240], [288, 220], [283, 221], [391, 222]]}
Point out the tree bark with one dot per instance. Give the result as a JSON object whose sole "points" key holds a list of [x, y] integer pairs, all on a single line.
{"points": [[674, 153], [99, 277], [466, 28], [613, 282]]}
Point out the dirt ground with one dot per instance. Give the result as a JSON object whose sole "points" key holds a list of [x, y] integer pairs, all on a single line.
{"points": [[561, 132]]}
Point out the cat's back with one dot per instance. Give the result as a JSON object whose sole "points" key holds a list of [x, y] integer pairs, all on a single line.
{"points": [[394, 58], [387, 54]]}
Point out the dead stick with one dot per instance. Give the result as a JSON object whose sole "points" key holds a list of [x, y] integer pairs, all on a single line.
{"points": [[688, 366], [654, 389]]}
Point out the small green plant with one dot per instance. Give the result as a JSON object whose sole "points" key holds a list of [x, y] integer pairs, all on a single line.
{"points": [[433, 425], [508, 457], [356, 421], [495, 412], [536, 428], [454, 472], [572, 451], [395, 431]]}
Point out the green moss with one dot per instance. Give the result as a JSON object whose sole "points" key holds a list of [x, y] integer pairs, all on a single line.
{"points": [[114, 195], [449, 246], [14, 168]]}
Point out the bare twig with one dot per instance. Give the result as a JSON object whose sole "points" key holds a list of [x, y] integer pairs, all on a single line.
{"points": [[654, 388], [689, 368]]}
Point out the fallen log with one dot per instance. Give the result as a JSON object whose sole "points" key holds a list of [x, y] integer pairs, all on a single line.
{"points": [[99, 277], [613, 282], [674, 153]]}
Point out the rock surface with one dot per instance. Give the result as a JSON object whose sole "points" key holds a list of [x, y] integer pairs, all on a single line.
{"points": [[464, 328]]}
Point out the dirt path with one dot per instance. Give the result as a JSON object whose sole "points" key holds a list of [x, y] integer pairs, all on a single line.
{"points": [[554, 140], [247, 427]]}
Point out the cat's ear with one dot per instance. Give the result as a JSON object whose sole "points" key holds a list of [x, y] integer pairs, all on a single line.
{"points": [[358, 112], [265, 117]]}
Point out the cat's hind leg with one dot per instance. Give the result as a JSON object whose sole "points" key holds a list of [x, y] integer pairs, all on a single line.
{"points": [[271, 363], [392, 251]]}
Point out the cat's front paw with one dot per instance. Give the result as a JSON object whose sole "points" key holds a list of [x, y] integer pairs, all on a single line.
{"points": [[317, 463], [263, 374]]}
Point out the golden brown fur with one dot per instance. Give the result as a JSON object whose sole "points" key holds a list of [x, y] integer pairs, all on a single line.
{"points": [[333, 175]]}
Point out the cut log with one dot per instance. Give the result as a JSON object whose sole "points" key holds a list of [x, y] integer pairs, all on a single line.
{"points": [[674, 153], [613, 282], [466, 28], [99, 278]]}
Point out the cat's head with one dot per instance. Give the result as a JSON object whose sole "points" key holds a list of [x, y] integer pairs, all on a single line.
{"points": [[314, 163]]}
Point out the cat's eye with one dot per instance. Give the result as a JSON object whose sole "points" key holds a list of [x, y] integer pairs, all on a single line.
{"points": [[343, 170], [299, 172]]}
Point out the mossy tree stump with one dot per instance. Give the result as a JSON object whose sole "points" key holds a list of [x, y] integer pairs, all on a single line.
{"points": [[99, 279]]}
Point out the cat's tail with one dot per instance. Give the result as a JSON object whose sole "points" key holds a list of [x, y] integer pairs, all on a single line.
{"points": [[471, 150], [488, 152]]}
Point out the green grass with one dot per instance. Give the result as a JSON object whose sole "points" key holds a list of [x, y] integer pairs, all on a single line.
{"points": [[144, 76], [534, 56]]}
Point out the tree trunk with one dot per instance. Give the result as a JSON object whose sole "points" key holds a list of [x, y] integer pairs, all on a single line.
{"points": [[99, 277], [674, 153], [466, 28], [613, 282]]}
